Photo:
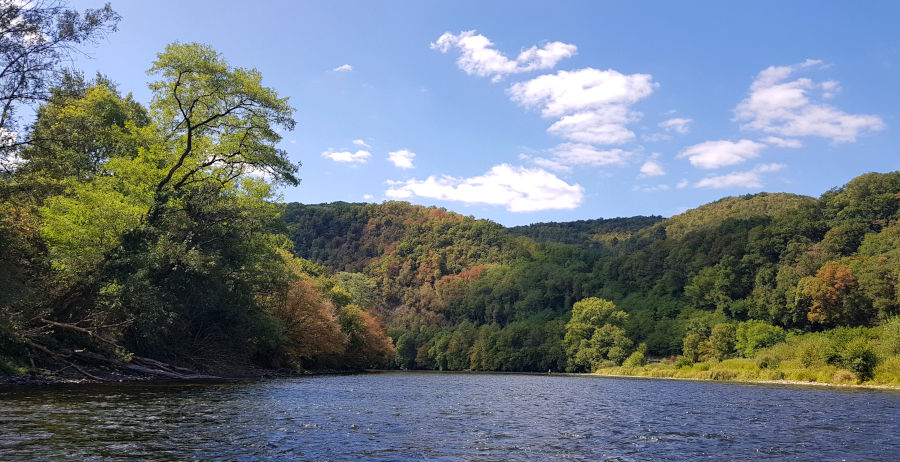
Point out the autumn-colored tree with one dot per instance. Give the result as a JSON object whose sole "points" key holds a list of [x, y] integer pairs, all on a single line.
{"points": [[835, 296], [308, 322], [369, 345]]}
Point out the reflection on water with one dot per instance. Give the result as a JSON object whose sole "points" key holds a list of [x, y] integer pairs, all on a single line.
{"points": [[400, 416]]}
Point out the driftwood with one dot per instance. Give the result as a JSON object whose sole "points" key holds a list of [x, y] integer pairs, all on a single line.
{"points": [[136, 364], [60, 358]]}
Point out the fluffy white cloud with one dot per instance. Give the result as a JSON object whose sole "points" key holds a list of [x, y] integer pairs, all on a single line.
{"points": [[781, 107], [678, 125], [749, 179], [343, 68], [652, 168], [361, 144], [602, 126], [715, 154], [568, 155], [593, 106], [402, 158], [359, 156], [783, 142], [368, 197], [574, 91], [478, 57], [519, 189]]}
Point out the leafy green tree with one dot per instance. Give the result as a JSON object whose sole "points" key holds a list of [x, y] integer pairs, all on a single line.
{"points": [[595, 334], [722, 340], [35, 38], [692, 347]]}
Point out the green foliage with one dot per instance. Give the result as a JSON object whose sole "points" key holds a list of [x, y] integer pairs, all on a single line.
{"points": [[859, 357], [890, 336], [722, 340], [754, 335], [594, 334], [691, 350], [635, 360], [164, 224]]}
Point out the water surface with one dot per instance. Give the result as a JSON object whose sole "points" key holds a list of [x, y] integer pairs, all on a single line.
{"points": [[446, 416]]}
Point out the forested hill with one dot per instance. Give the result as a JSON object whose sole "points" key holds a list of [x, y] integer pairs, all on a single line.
{"points": [[603, 233], [459, 293]]}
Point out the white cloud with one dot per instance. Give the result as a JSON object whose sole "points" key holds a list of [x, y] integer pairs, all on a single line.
{"points": [[359, 156], [402, 158], [749, 179], [683, 184], [361, 144], [568, 155], [573, 91], [783, 142], [786, 108], [593, 106], [678, 125], [584, 154], [601, 126], [478, 57], [652, 168], [368, 197], [715, 154], [519, 189], [343, 68]]}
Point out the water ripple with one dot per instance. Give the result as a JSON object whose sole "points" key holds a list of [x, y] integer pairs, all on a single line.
{"points": [[402, 416]]}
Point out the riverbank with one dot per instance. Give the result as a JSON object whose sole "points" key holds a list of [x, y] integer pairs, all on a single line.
{"points": [[745, 371], [47, 378]]}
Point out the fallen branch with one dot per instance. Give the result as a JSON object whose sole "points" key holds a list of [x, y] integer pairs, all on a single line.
{"points": [[80, 329], [59, 357]]}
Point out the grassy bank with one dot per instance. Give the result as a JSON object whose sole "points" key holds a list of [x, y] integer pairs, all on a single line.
{"points": [[844, 356], [744, 369]]}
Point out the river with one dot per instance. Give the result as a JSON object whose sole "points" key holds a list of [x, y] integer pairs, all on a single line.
{"points": [[449, 416]]}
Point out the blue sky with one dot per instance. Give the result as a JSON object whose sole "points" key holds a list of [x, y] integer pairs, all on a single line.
{"points": [[522, 112]]}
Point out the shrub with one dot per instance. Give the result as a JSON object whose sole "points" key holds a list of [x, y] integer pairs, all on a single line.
{"points": [[683, 361], [754, 335], [766, 361], [859, 357], [890, 336], [636, 360], [844, 376], [813, 350]]}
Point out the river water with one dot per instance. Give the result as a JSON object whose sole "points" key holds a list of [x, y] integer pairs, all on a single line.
{"points": [[447, 416]]}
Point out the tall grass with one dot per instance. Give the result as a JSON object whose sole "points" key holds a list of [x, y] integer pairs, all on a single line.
{"points": [[858, 355]]}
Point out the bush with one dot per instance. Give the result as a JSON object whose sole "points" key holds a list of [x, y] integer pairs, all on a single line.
{"points": [[813, 350], [766, 361], [859, 357], [754, 335], [636, 360], [844, 376], [890, 336], [683, 361]]}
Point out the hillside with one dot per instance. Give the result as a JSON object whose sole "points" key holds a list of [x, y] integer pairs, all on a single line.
{"points": [[597, 233], [460, 293]]}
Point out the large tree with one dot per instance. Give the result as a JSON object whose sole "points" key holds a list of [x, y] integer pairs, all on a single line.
{"points": [[36, 37]]}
